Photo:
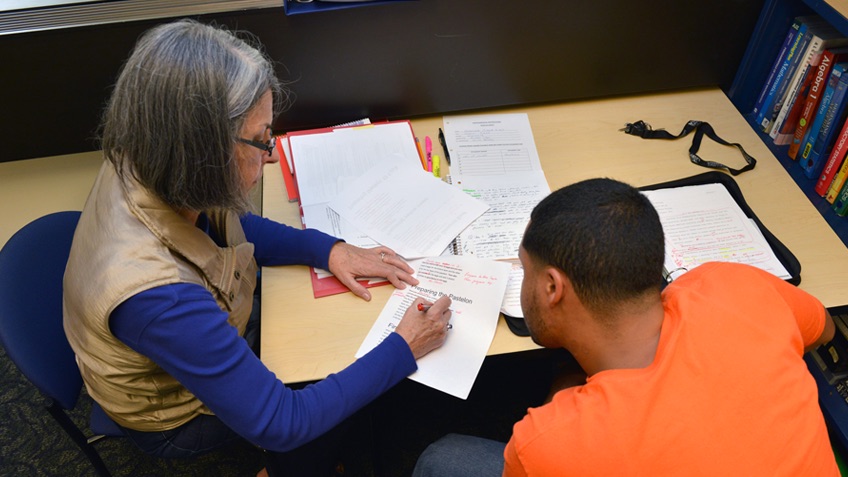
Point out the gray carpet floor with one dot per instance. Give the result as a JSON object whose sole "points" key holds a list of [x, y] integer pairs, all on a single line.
{"points": [[385, 441]]}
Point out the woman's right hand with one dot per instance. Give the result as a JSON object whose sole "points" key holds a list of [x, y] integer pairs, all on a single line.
{"points": [[425, 331]]}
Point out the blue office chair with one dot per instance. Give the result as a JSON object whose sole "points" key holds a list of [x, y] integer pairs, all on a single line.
{"points": [[32, 264]]}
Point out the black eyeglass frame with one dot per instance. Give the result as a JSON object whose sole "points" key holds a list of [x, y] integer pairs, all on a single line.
{"points": [[267, 147]]}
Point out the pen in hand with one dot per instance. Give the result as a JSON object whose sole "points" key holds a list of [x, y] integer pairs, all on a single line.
{"points": [[425, 308]]}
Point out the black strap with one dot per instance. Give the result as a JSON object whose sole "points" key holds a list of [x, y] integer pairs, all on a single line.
{"points": [[643, 130]]}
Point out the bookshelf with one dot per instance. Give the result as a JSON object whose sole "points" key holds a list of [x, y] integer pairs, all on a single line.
{"points": [[765, 42]]}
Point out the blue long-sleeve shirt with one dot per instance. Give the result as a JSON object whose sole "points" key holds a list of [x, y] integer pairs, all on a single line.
{"points": [[182, 329]]}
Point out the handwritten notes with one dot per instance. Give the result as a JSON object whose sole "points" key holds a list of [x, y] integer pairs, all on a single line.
{"points": [[497, 233], [703, 223], [476, 288]]}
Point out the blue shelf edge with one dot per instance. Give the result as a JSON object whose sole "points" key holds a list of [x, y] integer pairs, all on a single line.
{"points": [[807, 185], [293, 7], [833, 407], [822, 8]]}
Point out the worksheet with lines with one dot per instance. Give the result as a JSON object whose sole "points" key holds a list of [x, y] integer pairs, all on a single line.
{"points": [[491, 144]]}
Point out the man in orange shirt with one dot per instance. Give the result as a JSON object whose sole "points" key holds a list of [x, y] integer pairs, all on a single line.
{"points": [[705, 377]]}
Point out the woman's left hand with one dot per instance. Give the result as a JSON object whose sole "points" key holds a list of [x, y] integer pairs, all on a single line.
{"points": [[348, 262]]}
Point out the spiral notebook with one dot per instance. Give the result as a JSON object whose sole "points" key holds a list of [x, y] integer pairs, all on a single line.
{"points": [[497, 234]]}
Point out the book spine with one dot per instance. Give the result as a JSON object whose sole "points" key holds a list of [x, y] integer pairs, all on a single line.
{"points": [[840, 205], [824, 105], [811, 103], [778, 61], [810, 59], [834, 161], [784, 128], [769, 101], [833, 117], [837, 183], [783, 88]]}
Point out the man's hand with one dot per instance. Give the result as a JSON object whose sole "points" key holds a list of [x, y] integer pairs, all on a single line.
{"points": [[348, 262], [827, 334]]}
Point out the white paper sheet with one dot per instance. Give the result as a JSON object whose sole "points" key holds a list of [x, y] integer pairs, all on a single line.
{"points": [[476, 288], [511, 198], [287, 149], [491, 144], [703, 223], [325, 219], [511, 305], [406, 209]]}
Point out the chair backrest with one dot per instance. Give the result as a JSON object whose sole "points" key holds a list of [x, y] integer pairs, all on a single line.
{"points": [[32, 265]]}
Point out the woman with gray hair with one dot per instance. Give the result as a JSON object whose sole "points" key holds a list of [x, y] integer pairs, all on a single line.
{"points": [[159, 287]]}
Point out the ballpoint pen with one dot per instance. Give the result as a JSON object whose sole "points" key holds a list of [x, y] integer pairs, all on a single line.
{"points": [[425, 308], [428, 149], [444, 145]]}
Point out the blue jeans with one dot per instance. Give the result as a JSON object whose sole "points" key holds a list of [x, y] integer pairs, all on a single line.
{"points": [[460, 455], [206, 433], [202, 434]]}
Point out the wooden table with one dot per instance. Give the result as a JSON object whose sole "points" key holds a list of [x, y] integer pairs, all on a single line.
{"points": [[304, 339]]}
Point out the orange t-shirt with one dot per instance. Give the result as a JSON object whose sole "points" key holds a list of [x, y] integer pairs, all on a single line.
{"points": [[728, 392]]}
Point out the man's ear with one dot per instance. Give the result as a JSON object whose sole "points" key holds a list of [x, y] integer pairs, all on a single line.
{"points": [[557, 286]]}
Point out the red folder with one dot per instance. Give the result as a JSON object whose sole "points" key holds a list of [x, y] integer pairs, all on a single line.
{"points": [[288, 175], [332, 286]]}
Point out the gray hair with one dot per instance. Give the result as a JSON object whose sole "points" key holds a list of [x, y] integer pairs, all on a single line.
{"points": [[177, 108]]}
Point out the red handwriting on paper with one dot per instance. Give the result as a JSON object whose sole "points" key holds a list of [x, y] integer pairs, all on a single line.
{"points": [[476, 279]]}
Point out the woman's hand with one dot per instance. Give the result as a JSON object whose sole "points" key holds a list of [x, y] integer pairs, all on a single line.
{"points": [[426, 330], [348, 262]]}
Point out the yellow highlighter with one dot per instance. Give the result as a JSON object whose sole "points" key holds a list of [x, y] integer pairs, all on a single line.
{"points": [[436, 165]]}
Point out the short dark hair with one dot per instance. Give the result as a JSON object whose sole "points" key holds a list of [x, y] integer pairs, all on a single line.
{"points": [[177, 109], [604, 235]]}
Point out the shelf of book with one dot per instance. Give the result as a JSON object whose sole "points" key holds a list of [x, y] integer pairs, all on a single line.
{"points": [[807, 185], [764, 46]]}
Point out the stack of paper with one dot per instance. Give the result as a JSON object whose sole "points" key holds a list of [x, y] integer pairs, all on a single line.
{"points": [[495, 159], [407, 209], [364, 184]]}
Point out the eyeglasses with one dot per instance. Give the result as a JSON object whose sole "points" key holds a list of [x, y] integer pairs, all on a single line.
{"points": [[265, 146]]}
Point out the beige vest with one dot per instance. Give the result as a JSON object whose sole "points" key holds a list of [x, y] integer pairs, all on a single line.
{"points": [[128, 241]]}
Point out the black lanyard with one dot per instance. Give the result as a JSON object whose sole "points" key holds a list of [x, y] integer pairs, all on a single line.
{"points": [[643, 129]]}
